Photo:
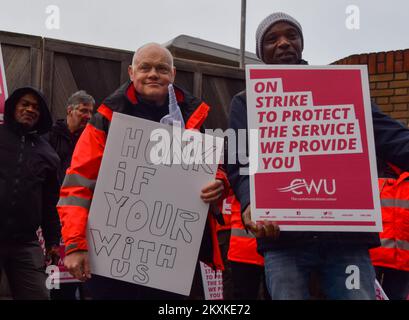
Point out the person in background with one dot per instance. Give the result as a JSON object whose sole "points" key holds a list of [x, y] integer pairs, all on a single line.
{"points": [[223, 236], [65, 133], [247, 265], [28, 194], [391, 259], [63, 137]]}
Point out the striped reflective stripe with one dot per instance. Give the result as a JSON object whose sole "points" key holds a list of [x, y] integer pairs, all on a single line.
{"points": [[75, 201], [70, 247], [76, 180], [395, 244], [241, 233], [395, 203]]}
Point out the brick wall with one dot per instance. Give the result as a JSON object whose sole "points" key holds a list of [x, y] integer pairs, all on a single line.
{"points": [[389, 80]]}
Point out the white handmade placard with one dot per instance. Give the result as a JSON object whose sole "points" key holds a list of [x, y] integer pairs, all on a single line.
{"points": [[147, 219]]}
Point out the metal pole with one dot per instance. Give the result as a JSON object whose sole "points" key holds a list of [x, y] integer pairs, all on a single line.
{"points": [[243, 33]]}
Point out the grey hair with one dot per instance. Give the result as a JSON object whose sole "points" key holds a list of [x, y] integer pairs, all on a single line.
{"points": [[80, 97], [154, 44]]}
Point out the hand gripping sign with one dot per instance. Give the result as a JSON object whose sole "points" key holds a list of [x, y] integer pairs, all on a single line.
{"points": [[311, 148]]}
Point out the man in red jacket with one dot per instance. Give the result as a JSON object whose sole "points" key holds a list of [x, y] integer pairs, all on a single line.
{"points": [[144, 96]]}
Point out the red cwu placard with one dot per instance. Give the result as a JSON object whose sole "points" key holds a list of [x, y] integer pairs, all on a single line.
{"points": [[312, 153]]}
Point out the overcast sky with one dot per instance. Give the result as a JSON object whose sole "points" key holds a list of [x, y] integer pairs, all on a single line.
{"points": [[127, 24]]}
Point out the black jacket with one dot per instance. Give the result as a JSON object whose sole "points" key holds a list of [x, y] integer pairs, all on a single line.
{"points": [[391, 143], [63, 142], [28, 177]]}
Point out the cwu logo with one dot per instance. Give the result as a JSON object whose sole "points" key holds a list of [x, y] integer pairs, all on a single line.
{"points": [[311, 187]]}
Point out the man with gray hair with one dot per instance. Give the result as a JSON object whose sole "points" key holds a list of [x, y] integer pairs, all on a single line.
{"points": [[79, 110], [291, 257], [65, 132], [63, 137]]}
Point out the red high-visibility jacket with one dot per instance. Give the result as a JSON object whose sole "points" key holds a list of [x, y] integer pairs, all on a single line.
{"points": [[243, 245], [78, 186], [394, 250]]}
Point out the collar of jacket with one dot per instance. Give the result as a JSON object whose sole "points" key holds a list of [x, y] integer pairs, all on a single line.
{"points": [[194, 110], [189, 105], [60, 127], [19, 129], [131, 94]]}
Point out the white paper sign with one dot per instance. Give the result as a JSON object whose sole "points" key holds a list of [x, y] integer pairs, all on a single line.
{"points": [[212, 282], [146, 219]]}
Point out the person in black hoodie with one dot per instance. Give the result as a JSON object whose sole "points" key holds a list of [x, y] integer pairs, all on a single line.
{"points": [[291, 257], [28, 194]]}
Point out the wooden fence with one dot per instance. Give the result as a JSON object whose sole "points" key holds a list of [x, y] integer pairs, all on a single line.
{"points": [[59, 68]]}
